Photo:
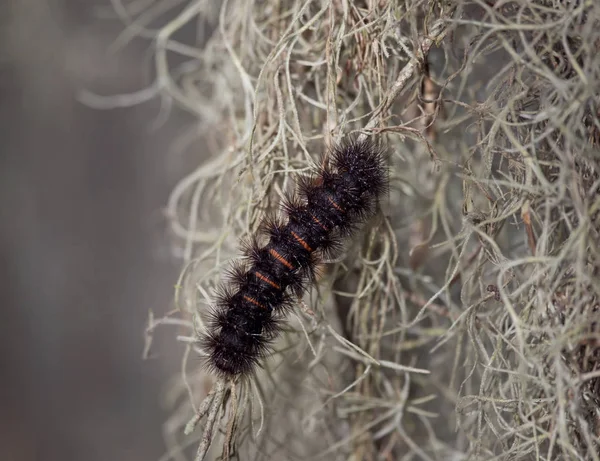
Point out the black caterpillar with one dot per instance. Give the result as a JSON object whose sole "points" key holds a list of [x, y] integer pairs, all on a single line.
{"points": [[327, 208]]}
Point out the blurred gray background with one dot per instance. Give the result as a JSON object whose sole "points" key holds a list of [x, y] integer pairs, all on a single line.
{"points": [[83, 246]]}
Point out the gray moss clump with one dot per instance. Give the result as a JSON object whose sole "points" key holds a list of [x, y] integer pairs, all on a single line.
{"points": [[464, 321]]}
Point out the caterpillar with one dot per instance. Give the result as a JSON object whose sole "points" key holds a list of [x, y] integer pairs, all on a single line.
{"points": [[251, 306]]}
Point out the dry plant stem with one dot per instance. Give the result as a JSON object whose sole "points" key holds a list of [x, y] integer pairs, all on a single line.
{"points": [[526, 215], [232, 419], [437, 33], [212, 406]]}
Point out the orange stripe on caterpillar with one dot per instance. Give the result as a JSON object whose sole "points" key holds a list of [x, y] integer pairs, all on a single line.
{"points": [[264, 278], [335, 205], [254, 301], [319, 223], [301, 241], [281, 259]]}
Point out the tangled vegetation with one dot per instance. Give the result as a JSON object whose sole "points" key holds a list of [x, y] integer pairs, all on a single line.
{"points": [[463, 323]]}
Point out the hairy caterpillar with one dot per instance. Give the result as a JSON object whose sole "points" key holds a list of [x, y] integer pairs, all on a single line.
{"points": [[327, 208]]}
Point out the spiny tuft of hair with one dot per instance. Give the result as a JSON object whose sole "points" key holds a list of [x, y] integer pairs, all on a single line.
{"points": [[328, 207]]}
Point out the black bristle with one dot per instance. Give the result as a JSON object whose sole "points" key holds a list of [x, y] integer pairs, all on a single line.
{"points": [[328, 207]]}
